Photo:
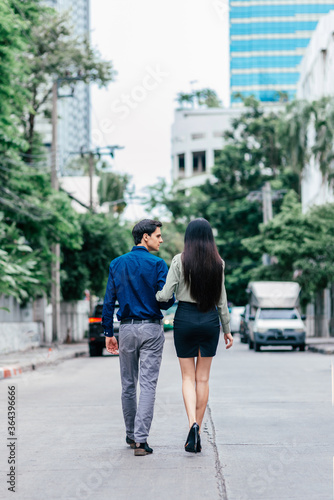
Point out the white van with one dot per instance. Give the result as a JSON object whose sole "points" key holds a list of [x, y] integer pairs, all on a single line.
{"points": [[275, 319]]}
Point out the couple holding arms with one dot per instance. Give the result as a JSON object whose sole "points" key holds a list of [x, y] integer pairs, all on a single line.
{"points": [[143, 285]]}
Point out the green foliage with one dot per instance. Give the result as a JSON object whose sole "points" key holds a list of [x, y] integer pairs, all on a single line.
{"points": [[12, 72], [112, 188], [54, 53], [37, 47], [173, 242], [306, 129], [301, 246], [104, 239], [201, 98], [19, 274]]}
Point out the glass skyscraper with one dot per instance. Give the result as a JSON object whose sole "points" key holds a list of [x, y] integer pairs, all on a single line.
{"points": [[74, 124], [267, 42]]}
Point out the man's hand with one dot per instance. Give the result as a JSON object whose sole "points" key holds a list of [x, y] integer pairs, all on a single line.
{"points": [[228, 340], [111, 345]]}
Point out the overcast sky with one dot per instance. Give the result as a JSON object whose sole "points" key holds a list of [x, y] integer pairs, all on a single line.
{"points": [[157, 48]]}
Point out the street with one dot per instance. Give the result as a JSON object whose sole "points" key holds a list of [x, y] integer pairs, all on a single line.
{"points": [[268, 431]]}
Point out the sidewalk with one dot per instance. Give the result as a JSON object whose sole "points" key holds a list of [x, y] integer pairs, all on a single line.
{"points": [[14, 363], [322, 345]]}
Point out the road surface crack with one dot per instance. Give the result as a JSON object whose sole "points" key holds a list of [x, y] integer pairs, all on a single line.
{"points": [[211, 435]]}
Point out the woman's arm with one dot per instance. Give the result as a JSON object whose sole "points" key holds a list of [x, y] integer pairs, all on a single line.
{"points": [[172, 281], [223, 309]]}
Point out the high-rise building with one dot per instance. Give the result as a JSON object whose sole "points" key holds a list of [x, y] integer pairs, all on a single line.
{"points": [[268, 39], [74, 112]]}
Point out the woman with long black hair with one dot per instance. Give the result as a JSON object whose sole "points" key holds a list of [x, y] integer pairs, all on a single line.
{"points": [[196, 276]]}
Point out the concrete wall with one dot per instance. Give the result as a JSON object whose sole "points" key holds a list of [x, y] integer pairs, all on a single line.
{"points": [[19, 336], [317, 67], [30, 326], [73, 321]]}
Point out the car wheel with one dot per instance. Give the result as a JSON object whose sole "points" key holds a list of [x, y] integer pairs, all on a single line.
{"points": [[257, 346], [250, 343], [302, 347], [95, 350]]}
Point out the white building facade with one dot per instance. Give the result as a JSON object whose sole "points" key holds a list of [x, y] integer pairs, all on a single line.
{"points": [[316, 81], [197, 134]]}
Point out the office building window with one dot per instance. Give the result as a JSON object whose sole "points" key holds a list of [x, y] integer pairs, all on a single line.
{"points": [[194, 137], [181, 164], [199, 164]]}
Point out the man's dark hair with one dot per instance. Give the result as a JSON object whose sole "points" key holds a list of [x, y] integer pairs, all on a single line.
{"points": [[147, 226]]}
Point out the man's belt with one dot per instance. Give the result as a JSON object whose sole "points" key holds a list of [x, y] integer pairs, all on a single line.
{"points": [[139, 321]]}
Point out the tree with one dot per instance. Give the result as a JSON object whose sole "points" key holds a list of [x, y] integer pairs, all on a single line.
{"points": [[208, 98], [302, 249], [104, 239], [55, 54], [306, 129], [112, 188], [202, 98], [12, 96], [36, 48], [19, 274]]}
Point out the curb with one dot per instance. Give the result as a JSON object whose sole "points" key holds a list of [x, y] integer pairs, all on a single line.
{"points": [[321, 350], [9, 372], [12, 371]]}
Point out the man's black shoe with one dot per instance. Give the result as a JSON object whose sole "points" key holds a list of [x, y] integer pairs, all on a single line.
{"points": [[142, 449], [130, 442]]}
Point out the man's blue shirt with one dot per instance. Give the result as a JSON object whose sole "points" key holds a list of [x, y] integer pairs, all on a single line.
{"points": [[134, 279]]}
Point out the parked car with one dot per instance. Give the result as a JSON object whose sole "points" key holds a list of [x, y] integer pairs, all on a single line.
{"points": [[96, 336], [235, 317], [244, 325], [168, 319], [276, 320]]}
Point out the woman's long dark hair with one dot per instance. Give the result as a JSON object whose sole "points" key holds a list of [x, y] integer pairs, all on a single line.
{"points": [[202, 265]]}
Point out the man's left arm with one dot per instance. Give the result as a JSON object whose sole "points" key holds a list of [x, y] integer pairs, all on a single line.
{"points": [[108, 315], [109, 306], [162, 274]]}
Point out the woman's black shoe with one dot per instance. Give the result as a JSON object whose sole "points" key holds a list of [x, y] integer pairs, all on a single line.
{"points": [[199, 446], [192, 439]]}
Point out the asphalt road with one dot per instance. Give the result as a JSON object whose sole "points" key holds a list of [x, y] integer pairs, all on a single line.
{"points": [[268, 431]]}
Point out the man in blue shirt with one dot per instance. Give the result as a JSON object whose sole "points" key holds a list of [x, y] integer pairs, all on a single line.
{"points": [[134, 279]]}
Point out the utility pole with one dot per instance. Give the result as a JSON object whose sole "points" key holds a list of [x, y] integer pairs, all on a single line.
{"points": [[55, 248], [107, 150], [267, 209], [267, 206], [91, 174]]}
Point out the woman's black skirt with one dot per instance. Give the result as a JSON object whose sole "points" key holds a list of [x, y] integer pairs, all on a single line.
{"points": [[195, 331]]}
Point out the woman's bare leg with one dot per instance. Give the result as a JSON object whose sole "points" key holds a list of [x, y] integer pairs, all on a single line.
{"points": [[187, 366], [202, 375]]}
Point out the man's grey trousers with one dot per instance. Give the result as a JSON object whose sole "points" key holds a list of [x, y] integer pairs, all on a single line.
{"points": [[140, 352]]}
